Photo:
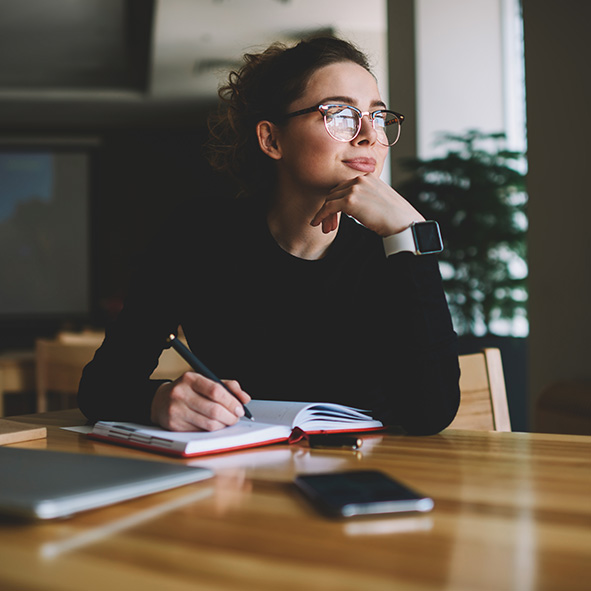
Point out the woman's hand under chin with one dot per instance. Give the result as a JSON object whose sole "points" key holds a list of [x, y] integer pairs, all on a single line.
{"points": [[371, 202]]}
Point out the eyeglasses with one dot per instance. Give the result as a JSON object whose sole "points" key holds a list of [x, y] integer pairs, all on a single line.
{"points": [[343, 122]]}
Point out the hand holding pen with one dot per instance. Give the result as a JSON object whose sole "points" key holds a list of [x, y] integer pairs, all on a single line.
{"points": [[199, 367], [195, 401]]}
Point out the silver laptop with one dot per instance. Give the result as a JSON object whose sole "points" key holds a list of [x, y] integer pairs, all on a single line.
{"points": [[43, 484]]}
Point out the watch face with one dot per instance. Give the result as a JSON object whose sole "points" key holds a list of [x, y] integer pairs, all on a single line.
{"points": [[427, 237]]}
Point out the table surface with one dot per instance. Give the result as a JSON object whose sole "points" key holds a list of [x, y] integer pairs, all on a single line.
{"points": [[512, 512]]}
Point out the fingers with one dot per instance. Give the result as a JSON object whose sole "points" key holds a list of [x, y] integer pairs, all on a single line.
{"points": [[194, 402], [234, 386], [343, 198], [370, 201], [329, 223], [327, 215], [213, 401]]}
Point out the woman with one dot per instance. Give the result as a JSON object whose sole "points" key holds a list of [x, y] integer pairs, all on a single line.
{"points": [[291, 289]]}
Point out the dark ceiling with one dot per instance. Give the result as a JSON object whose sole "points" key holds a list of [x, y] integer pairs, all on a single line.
{"points": [[70, 45], [78, 65]]}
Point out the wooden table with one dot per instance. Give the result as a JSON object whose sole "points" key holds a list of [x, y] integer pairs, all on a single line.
{"points": [[512, 512]]}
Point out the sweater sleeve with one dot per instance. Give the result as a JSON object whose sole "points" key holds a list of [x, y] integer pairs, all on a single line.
{"points": [[420, 389], [116, 384]]}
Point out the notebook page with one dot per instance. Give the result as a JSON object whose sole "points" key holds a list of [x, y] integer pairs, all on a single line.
{"points": [[308, 415]]}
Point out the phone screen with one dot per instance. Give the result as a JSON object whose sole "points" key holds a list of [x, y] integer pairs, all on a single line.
{"points": [[360, 492]]}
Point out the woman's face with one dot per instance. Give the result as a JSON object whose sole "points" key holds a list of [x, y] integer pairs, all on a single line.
{"points": [[311, 159]]}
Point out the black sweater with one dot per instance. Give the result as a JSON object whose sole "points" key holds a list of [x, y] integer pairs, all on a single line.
{"points": [[354, 327]]}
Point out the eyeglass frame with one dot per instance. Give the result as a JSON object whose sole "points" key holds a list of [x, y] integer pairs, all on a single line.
{"points": [[323, 110]]}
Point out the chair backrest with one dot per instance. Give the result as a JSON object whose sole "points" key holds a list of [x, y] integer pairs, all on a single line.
{"points": [[59, 365], [60, 361], [483, 404]]}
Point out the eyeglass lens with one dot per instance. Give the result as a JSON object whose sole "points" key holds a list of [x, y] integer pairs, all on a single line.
{"points": [[342, 124]]}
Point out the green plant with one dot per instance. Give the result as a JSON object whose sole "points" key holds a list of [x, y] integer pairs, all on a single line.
{"points": [[476, 192]]}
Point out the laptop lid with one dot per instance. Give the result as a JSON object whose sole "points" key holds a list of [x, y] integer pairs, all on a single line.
{"points": [[43, 484]]}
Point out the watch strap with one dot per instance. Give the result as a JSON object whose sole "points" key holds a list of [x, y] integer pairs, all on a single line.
{"points": [[419, 238], [402, 242]]}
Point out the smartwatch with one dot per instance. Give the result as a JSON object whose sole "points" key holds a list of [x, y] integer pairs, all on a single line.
{"points": [[419, 238]]}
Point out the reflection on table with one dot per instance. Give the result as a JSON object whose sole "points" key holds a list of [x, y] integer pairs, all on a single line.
{"points": [[512, 511]]}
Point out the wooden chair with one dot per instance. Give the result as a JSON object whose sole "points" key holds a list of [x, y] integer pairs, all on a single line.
{"points": [[17, 375], [484, 398], [60, 361], [59, 364]]}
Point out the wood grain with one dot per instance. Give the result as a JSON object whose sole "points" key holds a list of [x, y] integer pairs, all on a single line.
{"points": [[15, 432], [512, 512]]}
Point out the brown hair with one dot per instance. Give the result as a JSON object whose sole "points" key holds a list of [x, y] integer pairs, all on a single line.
{"points": [[262, 89]]}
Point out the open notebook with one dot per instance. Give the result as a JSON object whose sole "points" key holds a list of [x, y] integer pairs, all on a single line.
{"points": [[274, 422], [44, 484]]}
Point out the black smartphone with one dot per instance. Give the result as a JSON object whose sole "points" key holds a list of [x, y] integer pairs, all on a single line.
{"points": [[360, 492]]}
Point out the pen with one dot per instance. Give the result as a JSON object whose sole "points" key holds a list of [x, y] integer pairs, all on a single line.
{"points": [[334, 440], [198, 366]]}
